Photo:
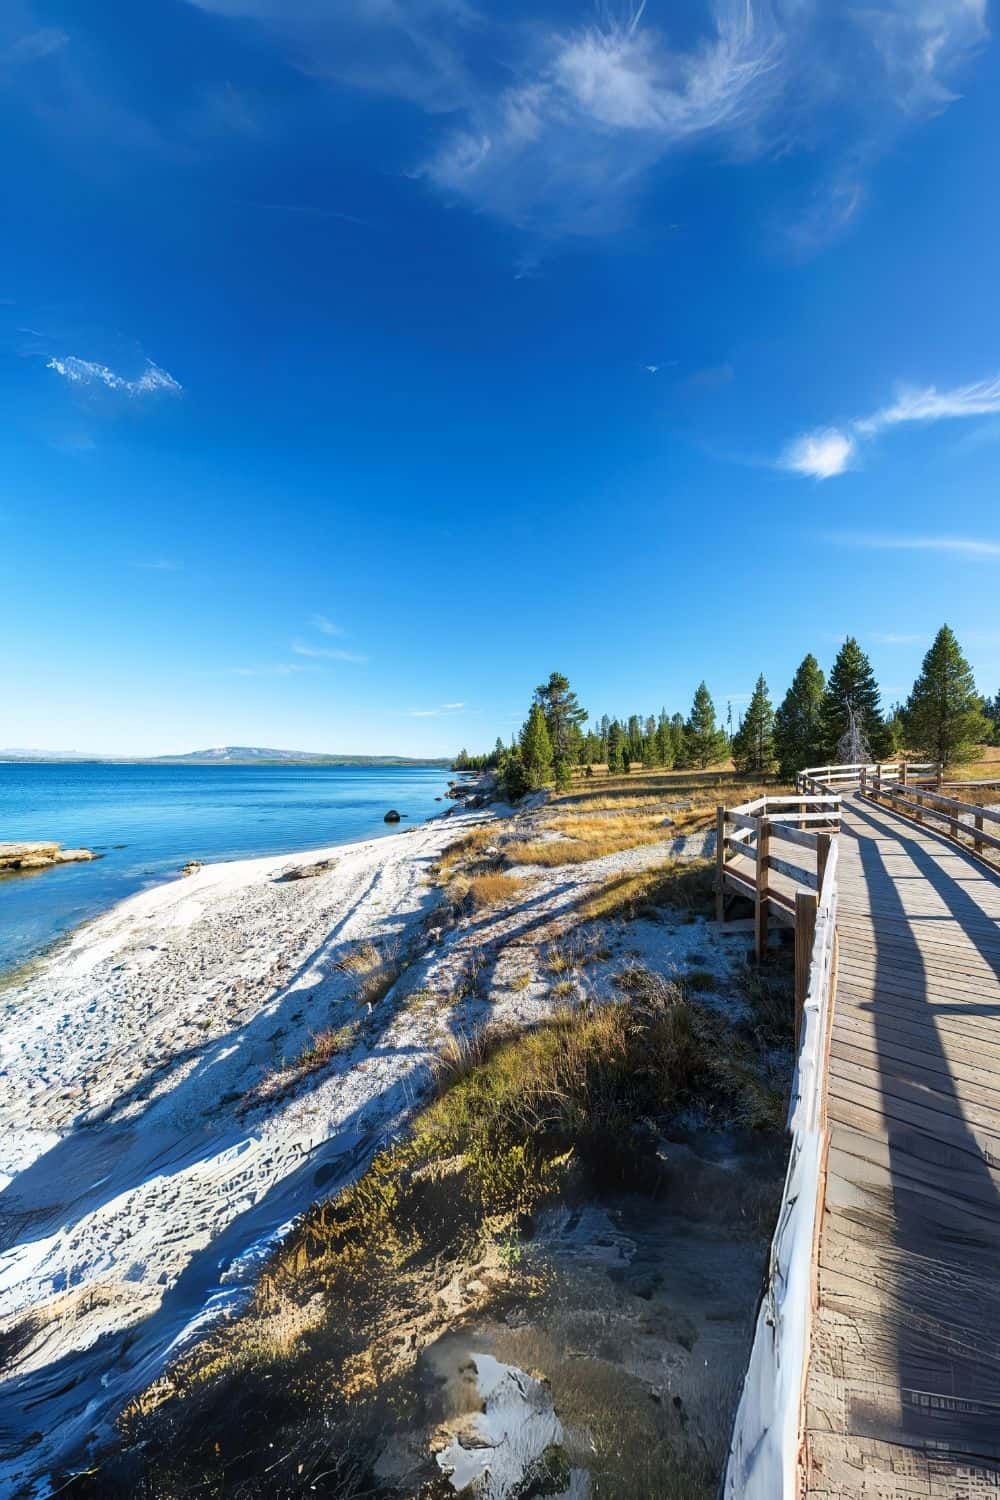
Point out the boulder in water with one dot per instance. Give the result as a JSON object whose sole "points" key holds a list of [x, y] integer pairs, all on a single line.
{"points": [[392, 816]]}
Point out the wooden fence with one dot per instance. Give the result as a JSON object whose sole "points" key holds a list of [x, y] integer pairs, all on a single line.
{"points": [[765, 1453], [783, 883], [817, 779], [965, 819]]}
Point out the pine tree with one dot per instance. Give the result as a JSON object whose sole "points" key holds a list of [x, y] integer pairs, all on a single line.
{"points": [[664, 742], [563, 716], [705, 741], [563, 775], [753, 744], [943, 715], [798, 735], [678, 736], [852, 682], [536, 748], [616, 740]]}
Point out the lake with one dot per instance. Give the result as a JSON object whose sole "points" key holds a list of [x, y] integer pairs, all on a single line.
{"points": [[147, 821]]}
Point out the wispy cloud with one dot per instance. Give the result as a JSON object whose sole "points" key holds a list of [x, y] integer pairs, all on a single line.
{"points": [[894, 638], [325, 625], [326, 653], [86, 372], [278, 669], [819, 455], [34, 45], [928, 404], [555, 126], [961, 546], [158, 565], [443, 710], [829, 451]]}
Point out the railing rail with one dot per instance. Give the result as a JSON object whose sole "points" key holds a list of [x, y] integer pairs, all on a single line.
{"points": [[965, 819], [765, 1452], [747, 859]]}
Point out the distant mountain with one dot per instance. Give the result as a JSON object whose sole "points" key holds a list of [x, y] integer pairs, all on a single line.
{"points": [[232, 755], [248, 754]]}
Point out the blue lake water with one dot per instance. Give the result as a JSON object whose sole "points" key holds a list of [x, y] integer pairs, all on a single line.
{"points": [[147, 821]]}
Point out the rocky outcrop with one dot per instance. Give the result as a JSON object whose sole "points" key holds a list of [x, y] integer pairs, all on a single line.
{"points": [[38, 854], [392, 816]]}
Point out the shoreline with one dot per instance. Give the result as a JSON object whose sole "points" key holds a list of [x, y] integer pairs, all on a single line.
{"points": [[152, 876], [148, 1161]]}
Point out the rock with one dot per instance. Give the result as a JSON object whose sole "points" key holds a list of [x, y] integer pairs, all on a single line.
{"points": [[392, 816], [192, 866], [307, 872], [667, 823], [36, 855]]}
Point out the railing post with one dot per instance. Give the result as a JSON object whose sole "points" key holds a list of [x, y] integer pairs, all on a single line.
{"points": [[940, 774], [878, 782], [760, 903], [902, 773], [806, 903], [864, 781], [823, 843], [720, 864], [977, 843]]}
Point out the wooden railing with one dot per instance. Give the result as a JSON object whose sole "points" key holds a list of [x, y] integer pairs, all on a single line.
{"points": [[964, 819], [765, 1453], [816, 779], [747, 861]]}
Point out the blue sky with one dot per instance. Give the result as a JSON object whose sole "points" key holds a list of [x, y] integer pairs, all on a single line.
{"points": [[362, 362]]}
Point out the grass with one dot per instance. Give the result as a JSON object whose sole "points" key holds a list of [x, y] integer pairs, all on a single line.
{"points": [[327, 1044], [375, 966], [492, 889], [307, 1382], [686, 887]]}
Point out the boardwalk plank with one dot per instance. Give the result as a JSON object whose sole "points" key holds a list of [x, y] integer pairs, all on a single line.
{"points": [[903, 1388]]}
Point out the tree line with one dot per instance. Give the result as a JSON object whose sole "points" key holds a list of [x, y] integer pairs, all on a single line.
{"points": [[944, 719]]}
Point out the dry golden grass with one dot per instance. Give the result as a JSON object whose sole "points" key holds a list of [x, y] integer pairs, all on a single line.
{"points": [[686, 887], [465, 850], [376, 967], [324, 1047], [492, 889]]}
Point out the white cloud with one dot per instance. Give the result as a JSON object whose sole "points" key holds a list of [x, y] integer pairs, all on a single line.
{"points": [[443, 710], [555, 125], [158, 565], [327, 653], [34, 45], [830, 450], [981, 398], [820, 455], [893, 638], [89, 372], [963, 546], [280, 669], [325, 626], [920, 42], [564, 146]]}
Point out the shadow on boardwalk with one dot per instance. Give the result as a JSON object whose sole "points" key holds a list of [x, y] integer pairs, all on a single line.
{"points": [[941, 1296]]}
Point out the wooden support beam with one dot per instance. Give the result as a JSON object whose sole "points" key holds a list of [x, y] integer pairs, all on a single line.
{"points": [[805, 935], [720, 864]]}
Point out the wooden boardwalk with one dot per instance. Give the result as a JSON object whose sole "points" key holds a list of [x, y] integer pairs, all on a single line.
{"points": [[902, 1392]]}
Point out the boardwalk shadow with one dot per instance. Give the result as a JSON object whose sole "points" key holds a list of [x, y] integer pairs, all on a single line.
{"points": [[939, 1296]]}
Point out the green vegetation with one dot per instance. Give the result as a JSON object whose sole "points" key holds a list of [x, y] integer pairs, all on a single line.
{"points": [[753, 744], [852, 686], [943, 718], [798, 732], [299, 1392], [944, 714]]}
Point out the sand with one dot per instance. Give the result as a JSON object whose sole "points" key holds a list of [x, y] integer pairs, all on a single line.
{"points": [[148, 1159]]}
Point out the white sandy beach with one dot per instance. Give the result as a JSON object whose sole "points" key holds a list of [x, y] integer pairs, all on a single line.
{"points": [[141, 1187]]}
